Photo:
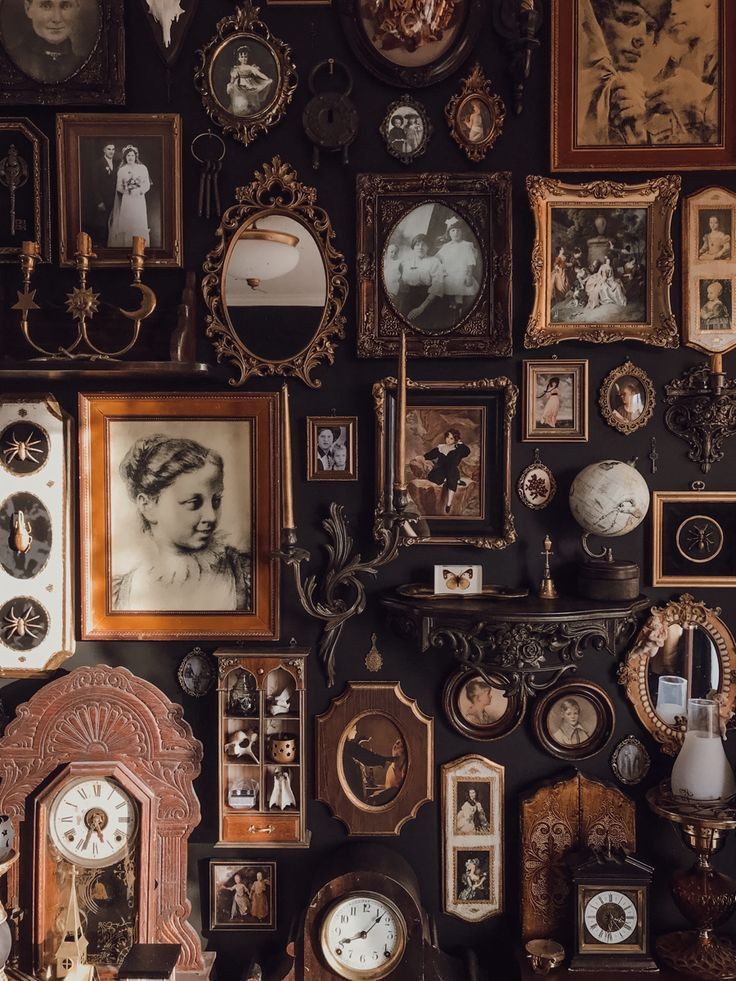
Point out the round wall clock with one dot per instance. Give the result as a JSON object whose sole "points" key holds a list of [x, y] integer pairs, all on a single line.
{"points": [[363, 935], [92, 822]]}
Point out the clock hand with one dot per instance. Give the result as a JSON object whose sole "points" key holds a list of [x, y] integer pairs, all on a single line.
{"points": [[378, 920]]}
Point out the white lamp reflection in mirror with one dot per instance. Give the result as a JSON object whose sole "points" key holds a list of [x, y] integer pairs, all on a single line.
{"points": [[261, 254], [671, 699]]}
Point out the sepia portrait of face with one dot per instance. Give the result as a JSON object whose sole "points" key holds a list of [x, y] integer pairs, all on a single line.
{"points": [[373, 760], [714, 233], [473, 807], [599, 266], [445, 461], [716, 304], [49, 40], [404, 130], [245, 76], [627, 399], [647, 72], [473, 875], [572, 721], [432, 268], [479, 703]]}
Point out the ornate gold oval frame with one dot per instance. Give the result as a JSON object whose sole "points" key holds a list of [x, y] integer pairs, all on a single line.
{"points": [[476, 87], [633, 674], [604, 398], [246, 24], [275, 191]]}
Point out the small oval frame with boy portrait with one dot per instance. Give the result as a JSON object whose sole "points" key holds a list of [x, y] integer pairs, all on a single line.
{"points": [[627, 398], [332, 448], [574, 720]]}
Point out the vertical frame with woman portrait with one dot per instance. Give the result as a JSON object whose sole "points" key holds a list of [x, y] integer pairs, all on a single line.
{"points": [[472, 838], [332, 448], [555, 402], [636, 81], [120, 177], [475, 116], [709, 270], [627, 398], [179, 517]]}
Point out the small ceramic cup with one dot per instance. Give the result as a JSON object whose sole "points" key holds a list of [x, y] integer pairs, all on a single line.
{"points": [[544, 955]]}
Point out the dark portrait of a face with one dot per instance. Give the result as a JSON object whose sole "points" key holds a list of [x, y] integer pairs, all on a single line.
{"points": [[49, 40]]}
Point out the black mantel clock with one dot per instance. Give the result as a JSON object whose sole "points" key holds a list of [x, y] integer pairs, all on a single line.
{"points": [[611, 912]]}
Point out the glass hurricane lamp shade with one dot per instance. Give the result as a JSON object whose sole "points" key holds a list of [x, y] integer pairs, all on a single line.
{"points": [[702, 770], [261, 254], [671, 699]]}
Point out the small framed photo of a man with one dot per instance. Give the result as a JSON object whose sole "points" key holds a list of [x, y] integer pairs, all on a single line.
{"points": [[61, 51], [332, 448]]}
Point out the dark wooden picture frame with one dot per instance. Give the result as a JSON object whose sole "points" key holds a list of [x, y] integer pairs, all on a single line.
{"points": [[692, 538], [390, 206], [458, 705], [596, 722], [245, 901], [80, 142], [410, 68], [487, 406], [650, 143], [125, 440], [344, 465], [341, 761], [29, 170], [87, 67]]}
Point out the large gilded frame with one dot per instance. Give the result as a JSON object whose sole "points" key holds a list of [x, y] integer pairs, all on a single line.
{"points": [[659, 197]]}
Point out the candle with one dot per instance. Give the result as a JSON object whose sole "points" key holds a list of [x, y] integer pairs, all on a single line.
{"points": [[139, 245], [30, 248], [400, 451], [716, 364], [84, 244], [287, 498]]}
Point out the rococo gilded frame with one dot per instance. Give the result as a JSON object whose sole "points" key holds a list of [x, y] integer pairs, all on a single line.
{"points": [[484, 202], [246, 24], [275, 191], [604, 398], [476, 88], [659, 196], [384, 392]]}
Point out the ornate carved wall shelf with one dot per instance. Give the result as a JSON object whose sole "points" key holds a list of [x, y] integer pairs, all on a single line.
{"points": [[528, 643]]}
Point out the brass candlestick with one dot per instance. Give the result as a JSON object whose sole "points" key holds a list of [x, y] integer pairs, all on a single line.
{"points": [[547, 588], [82, 303]]}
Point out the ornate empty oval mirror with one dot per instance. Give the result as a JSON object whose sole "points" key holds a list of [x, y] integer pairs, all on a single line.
{"points": [[275, 286], [684, 650]]}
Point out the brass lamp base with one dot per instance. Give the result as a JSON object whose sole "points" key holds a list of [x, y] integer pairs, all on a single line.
{"points": [[711, 958]]}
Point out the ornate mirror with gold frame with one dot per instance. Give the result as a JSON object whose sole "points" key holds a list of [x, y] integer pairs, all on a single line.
{"points": [[274, 284], [686, 645]]}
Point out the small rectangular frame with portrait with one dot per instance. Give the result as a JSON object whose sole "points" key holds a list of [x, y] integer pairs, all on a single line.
{"points": [[82, 64], [603, 261], [434, 260], [133, 189], [242, 895], [472, 838], [555, 407], [709, 270], [332, 447], [179, 517]]}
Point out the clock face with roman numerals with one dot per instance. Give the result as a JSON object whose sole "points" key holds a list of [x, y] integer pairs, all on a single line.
{"points": [[610, 917], [93, 821]]}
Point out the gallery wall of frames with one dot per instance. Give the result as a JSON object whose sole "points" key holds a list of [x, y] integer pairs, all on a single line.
{"points": [[368, 496]]}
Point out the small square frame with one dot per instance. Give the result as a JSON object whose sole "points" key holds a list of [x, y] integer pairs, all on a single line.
{"points": [[242, 868], [349, 439], [578, 432], [687, 525]]}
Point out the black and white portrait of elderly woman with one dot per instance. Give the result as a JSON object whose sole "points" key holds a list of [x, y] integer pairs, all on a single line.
{"points": [[49, 40], [181, 528]]}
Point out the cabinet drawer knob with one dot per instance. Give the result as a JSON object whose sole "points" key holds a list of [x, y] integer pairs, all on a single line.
{"points": [[253, 830]]}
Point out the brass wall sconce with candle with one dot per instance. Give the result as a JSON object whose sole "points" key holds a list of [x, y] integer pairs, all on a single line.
{"points": [[326, 600], [83, 303], [702, 410]]}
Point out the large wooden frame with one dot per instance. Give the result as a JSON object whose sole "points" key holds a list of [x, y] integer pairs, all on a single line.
{"points": [[258, 413], [105, 721], [658, 198], [568, 149], [496, 394], [72, 129], [483, 203], [633, 675], [387, 702]]}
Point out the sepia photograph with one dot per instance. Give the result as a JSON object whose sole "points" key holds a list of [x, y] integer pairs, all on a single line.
{"points": [[49, 40], [332, 447], [556, 401], [715, 230], [627, 398], [716, 304], [479, 709], [479, 703], [406, 129], [709, 270], [242, 895], [573, 721], [630, 761], [374, 760], [599, 266], [432, 268], [245, 76], [473, 807], [473, 875]]}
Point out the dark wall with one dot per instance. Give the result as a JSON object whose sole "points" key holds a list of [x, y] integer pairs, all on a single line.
{"points": [[314, 33]]}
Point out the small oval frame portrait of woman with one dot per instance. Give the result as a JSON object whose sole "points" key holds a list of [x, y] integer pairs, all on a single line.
{"points": [[476, 705], [475, 116], [627, 398], [406, 129], [574, 720], [246, 77]]}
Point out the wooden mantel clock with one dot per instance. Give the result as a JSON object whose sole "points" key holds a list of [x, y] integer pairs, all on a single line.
{"points": [[365, 922], [96, 776]]}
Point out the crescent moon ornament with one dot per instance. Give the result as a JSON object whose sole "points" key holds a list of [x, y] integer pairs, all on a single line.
{"points": [[148, 304]]}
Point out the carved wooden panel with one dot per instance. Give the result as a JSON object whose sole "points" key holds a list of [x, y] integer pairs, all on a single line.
{"points": [[557, 819], [103, 714]]}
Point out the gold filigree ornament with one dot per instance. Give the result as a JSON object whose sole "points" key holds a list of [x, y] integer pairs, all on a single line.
{"points": [[373, 659]]}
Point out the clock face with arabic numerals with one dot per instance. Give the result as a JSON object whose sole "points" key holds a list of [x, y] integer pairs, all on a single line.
{"points": [[363, 937], [93, 821]]}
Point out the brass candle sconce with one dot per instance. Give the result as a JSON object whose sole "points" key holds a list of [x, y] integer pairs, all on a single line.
{"points": [[702, 410]]}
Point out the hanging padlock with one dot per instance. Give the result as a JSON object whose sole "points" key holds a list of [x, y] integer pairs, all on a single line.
{"points": [[330, 119]]}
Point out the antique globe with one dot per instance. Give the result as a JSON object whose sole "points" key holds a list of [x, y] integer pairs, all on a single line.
{"points": [[608, 499]]}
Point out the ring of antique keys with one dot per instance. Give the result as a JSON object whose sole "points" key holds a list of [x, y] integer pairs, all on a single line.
{"points": [[211, 163]]}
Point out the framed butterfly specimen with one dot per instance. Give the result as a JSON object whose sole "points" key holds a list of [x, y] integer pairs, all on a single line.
{"points": [[458, 580]]}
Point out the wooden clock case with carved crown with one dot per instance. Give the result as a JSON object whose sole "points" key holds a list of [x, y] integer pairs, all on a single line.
{"points": [[103, 727]]}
